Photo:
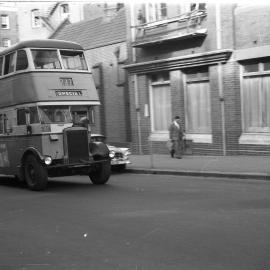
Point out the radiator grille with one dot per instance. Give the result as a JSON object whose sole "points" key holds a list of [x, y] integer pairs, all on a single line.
{"points": [[77, 145]]}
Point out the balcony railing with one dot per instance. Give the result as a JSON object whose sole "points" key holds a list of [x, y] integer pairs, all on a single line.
{"points": [[184, 26]]}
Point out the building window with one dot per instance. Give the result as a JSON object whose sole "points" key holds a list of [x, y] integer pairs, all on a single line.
{"points": [[4, 21], [197, 101], [155, 11], [36, 22], [160, 102], [256, 96], [6, 42], [65, 8], [197, 6]]}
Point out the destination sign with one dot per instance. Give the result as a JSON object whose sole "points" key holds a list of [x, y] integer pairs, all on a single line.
{"points": [[68, 93]]}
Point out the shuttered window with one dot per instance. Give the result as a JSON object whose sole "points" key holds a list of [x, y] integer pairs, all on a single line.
{"points": [[256, 96], [198, 109], [160, 98]]}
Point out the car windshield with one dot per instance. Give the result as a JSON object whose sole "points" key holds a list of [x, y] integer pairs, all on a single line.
{"points": [[55, 114], [73, 60], [46, 59]]}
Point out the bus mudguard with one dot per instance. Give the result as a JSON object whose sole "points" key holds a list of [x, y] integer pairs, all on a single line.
{"points": [[34, 152], [99, 150]]}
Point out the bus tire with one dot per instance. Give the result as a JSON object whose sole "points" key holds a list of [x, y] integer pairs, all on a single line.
{"points": [[102, 174], [35, 173]]}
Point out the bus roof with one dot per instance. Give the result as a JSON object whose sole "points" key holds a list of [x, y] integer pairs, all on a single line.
{"points": [[43, 43]]}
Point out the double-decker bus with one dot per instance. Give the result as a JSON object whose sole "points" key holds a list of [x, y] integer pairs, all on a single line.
{"points": [[46, 95]]}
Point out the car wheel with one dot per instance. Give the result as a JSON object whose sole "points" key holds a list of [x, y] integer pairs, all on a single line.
{"points": [[102, 173], [35, 173]]}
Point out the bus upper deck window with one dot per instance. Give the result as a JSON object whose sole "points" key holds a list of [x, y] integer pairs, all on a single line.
{"points": [[46, 59], [73, 60], [22, 62], [9, 63]]}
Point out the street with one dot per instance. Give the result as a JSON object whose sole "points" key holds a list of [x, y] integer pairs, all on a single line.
{"points": [[136, 222]]}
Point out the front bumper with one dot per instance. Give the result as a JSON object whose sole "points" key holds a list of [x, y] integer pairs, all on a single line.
{"points": [[120, 161], [74, 169]]}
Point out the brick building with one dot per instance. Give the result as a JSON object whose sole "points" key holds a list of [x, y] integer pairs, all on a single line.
{"points": [[9, 25], [209, 64], [105, 42]]}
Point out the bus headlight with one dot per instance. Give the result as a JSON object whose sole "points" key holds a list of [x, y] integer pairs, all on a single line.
{"points": [[48, 160], [111, 154]]}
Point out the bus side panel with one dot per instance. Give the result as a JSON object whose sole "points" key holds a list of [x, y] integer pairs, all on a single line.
{"points": [[52, 145], [12, 150]]}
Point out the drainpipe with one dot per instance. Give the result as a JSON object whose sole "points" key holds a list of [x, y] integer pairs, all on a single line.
{"points": [[220, 77], [135, 79]]}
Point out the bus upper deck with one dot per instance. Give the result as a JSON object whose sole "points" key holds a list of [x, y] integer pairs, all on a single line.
{"points": [[45, 70]]}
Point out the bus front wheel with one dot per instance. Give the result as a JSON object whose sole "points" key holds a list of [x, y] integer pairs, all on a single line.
{"points": [[35, 174], [102, 174]]}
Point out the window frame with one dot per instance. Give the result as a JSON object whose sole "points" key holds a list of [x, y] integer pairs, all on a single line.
{"points": [[65, 9], [257, 74], [199, 78], [151, 84], [154, 12], [35, 19], [8, 42], [5, 24]]}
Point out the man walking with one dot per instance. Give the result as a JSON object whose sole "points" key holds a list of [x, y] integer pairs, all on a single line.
{"points": [[176, 137]]}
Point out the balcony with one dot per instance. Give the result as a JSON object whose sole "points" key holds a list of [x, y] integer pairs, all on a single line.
{"points": [[184, 26]]}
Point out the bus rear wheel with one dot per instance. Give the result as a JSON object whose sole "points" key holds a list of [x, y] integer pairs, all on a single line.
{"points": [[35, 174], [102, 174]]}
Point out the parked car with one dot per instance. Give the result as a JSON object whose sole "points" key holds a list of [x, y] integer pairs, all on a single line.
{"points": [[121, 154]]}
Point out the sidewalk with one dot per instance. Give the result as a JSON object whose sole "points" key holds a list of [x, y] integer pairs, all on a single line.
{"points": [[253, 167]]}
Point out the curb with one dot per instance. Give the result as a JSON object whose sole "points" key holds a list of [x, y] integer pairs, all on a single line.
{"points": [[257, 176]]}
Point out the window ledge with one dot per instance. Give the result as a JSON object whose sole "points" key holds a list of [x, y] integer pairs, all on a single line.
{"points": [[200, 138], [255, 138]]}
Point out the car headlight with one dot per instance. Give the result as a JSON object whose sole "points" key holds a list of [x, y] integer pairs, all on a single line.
{"points": [[127, 152], [48, 160], [111, 154]]}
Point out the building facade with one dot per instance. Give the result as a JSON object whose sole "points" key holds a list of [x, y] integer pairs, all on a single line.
{"points": [[200, 62]]}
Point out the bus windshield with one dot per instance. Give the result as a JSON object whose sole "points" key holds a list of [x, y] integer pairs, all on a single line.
{"points": [[46, 59], [55, 114], [73, 60]]}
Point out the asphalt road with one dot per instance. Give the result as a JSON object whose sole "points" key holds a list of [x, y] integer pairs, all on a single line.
{"points": [[136, 222]]}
